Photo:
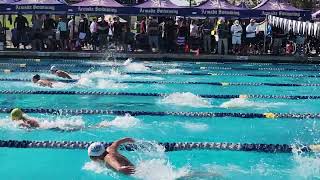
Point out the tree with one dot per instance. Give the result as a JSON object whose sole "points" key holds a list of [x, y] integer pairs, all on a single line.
{"points": [[305, 4]]}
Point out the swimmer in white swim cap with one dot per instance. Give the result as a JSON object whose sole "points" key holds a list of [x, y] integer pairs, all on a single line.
{"points": [[54, 70], [111, 157]]}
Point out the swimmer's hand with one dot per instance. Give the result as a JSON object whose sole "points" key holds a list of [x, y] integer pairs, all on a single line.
{"points": [[127, 170]]}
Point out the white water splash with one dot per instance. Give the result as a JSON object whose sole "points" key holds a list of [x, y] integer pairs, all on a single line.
{"points": [[177, 71], [109, 84], [245, 103], [128, 61], [66, 124], [113, 74], [186, 99], [123, 122], [307, 166], [159, 169], [135, 67]]}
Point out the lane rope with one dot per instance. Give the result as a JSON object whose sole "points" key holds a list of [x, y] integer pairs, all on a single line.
{"points": [[168, 146], [103, 93], [313, 69], [268, 115], [189, 83], [164, 73]]}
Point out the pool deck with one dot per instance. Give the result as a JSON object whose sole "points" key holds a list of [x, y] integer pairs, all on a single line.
{"points": [[163, 56]]}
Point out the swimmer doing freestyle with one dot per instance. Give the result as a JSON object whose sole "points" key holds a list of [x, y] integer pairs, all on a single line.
{"points": [[111, 157]]}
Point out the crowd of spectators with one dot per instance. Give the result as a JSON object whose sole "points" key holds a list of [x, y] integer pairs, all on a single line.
{"points": [[159, 35]]}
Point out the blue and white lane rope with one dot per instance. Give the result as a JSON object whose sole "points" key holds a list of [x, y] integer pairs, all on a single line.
{"points": [[103, 93], [187, 83], [168, 146], [185, 74], [185, 67], [268, 115]]}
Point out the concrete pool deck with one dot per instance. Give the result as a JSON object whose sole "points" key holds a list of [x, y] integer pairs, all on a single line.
{"points": [[157, 56]]}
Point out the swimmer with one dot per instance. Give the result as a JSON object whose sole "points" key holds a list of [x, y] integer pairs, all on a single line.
{"points": [[59, 73], [111, 157], [41, 82], [18, 116]]}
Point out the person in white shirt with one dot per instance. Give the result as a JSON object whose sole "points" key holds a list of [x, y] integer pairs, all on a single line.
{"points": [[94, 35], [73, 31], [251, 31], [236, 31], [194, 29]]}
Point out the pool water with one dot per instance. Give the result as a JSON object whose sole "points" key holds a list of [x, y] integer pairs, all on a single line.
{"points": [[153, 163]]}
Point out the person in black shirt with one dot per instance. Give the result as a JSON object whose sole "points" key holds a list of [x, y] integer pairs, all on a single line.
{"points": [[83, 27], [21, 23], [117, 29], [278, 36], [170, 35], [48, 25], [102, 30]]}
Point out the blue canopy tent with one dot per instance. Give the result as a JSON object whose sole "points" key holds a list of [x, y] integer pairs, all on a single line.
{"points": [[160, 8], [100, 7], [280, 8], [5, 6], [40, 6], [218, 8]]}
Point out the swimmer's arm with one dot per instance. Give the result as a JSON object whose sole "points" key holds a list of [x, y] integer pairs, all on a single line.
{"points": [[114, 147], [33, 123], [116, 165]]}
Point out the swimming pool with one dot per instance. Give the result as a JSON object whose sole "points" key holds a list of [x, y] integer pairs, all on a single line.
{"points": [[163, 87]]}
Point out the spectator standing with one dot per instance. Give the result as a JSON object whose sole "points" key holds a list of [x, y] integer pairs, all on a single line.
{"points": [[62, 29], [223, 37], [73, 32], [117, 33], [94, 33], [251, 30], [236, 31], [48, 25], [170, 35], [37, 24], [143, 26], [20, 24], [153, 34], [278, 35], [269, 38], [182, 34], [206, 34], [194, 35], [83, 29], [102, 29]]}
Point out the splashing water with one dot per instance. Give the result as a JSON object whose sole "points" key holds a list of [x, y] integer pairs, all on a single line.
{"points": [[113, 74], [128, 61], [70, 124], [123, 122], [186, 99], [109, 84], [151, 164], [307, 166], [177, 71], [135, 67], [244, 103], [159, 169]]}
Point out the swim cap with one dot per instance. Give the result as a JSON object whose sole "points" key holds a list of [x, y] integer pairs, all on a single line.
{"points": [[96, 149], [53, 68], [37, 76], [16, 114]]}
